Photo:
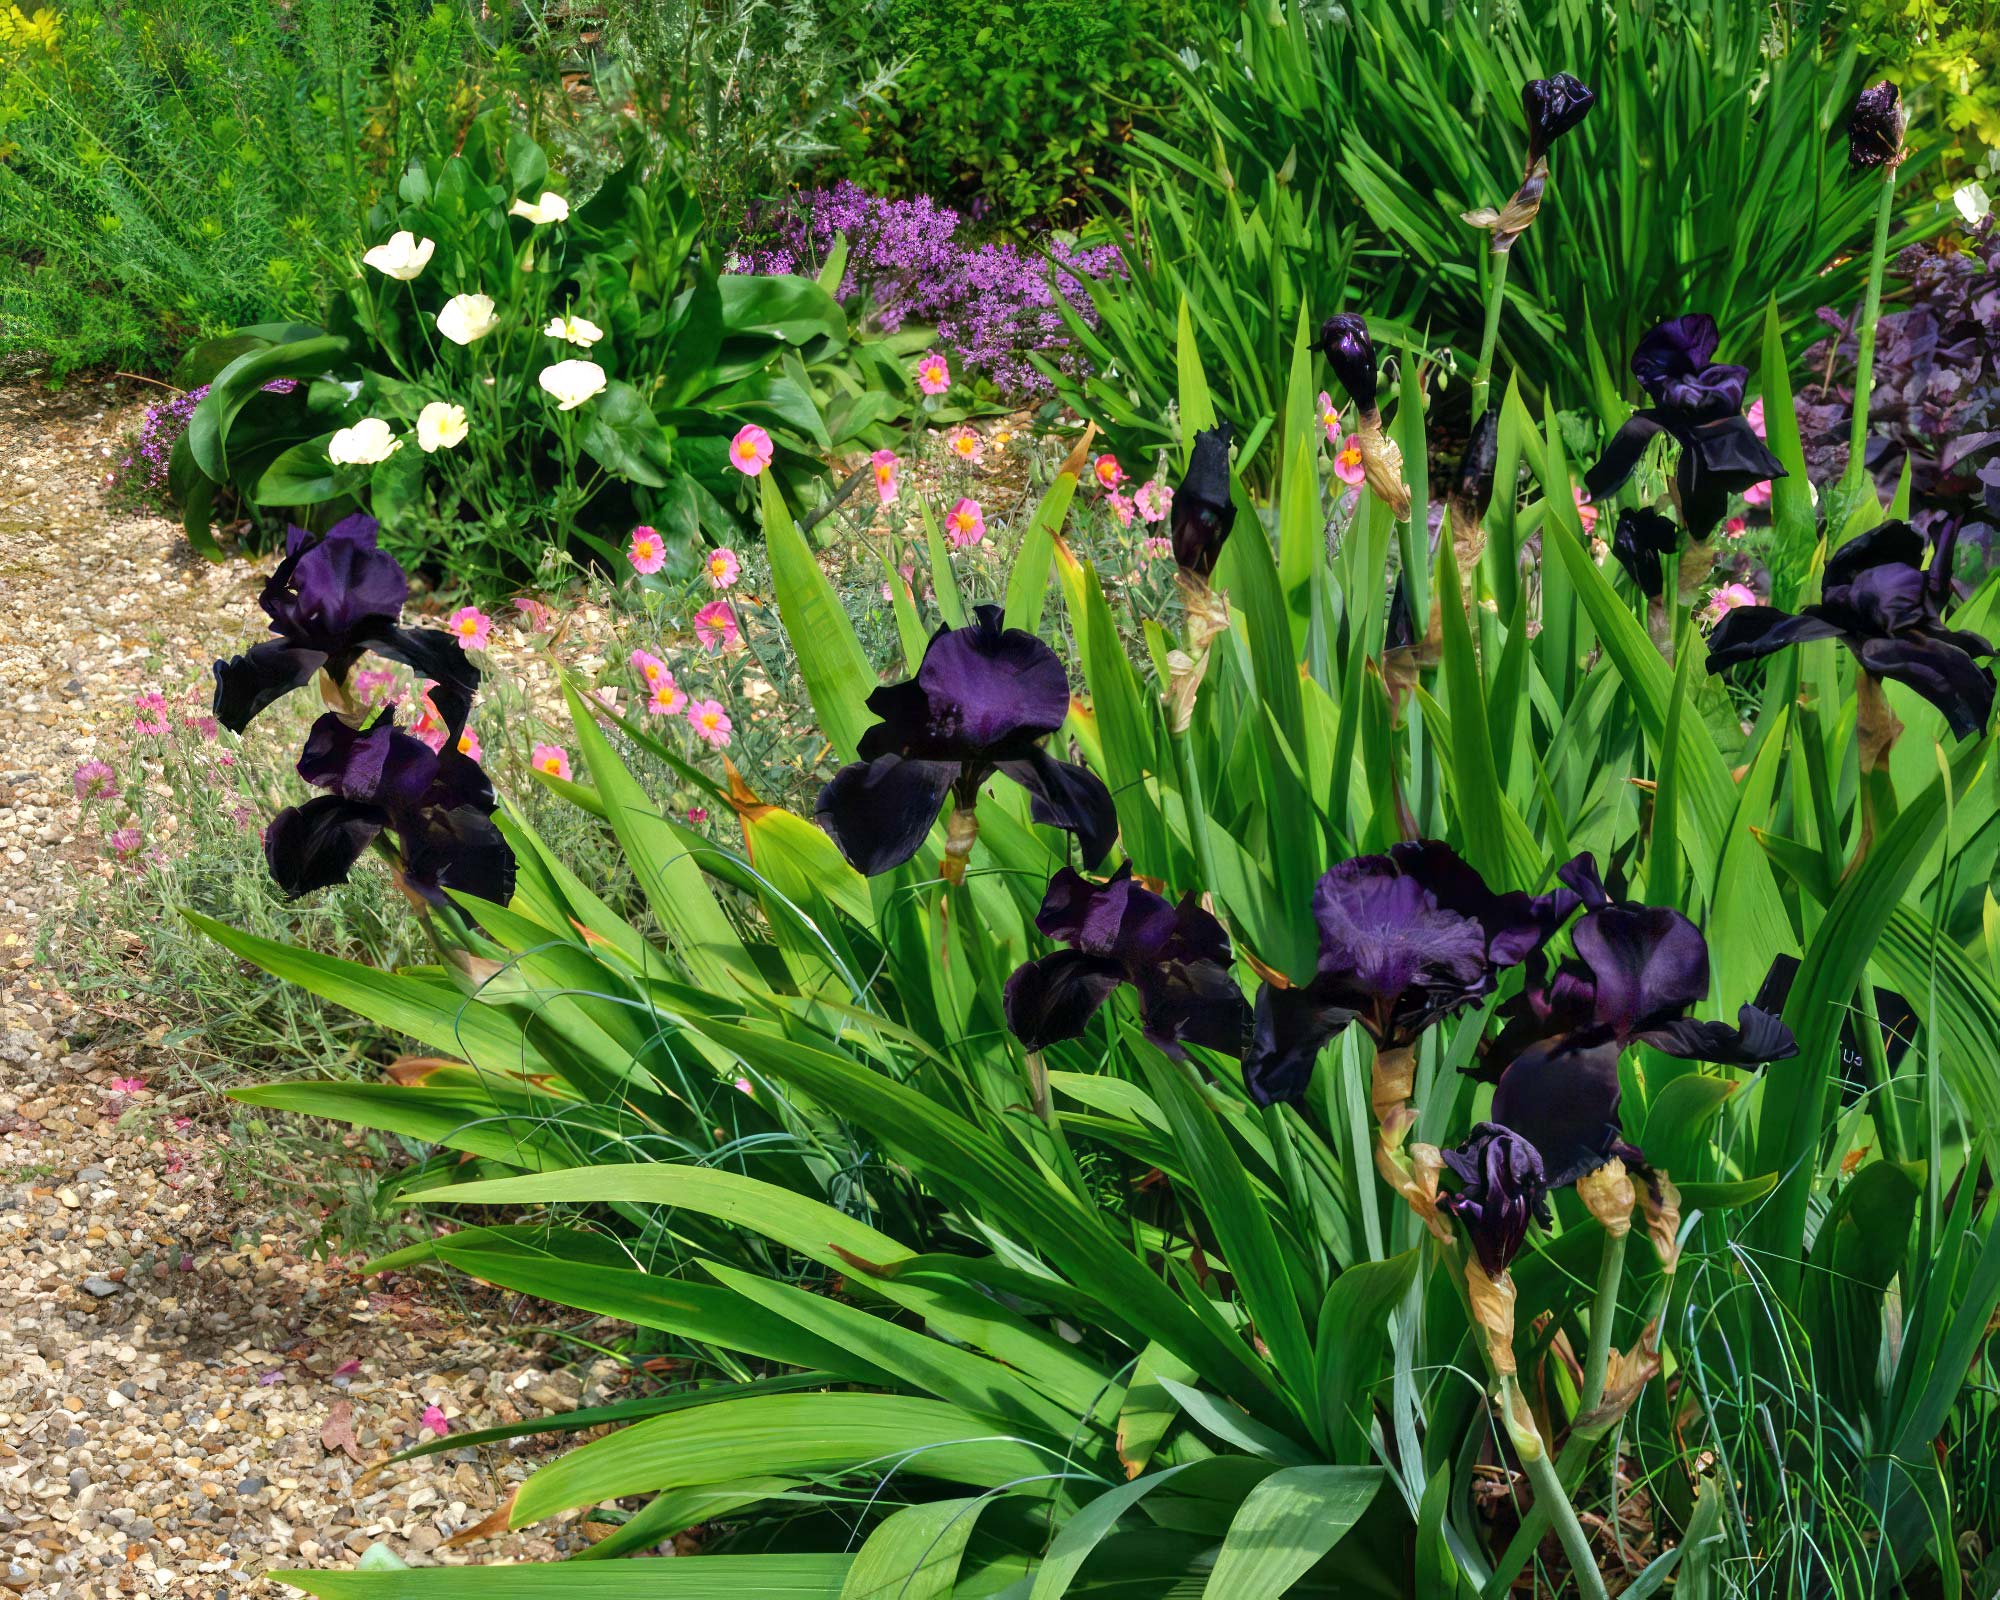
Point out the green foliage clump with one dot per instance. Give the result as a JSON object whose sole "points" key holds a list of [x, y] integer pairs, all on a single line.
{"points": [[1013, 107], [1946, 56]]}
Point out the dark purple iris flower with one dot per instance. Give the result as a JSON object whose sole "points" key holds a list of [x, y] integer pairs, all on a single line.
{"points": [[1700, 404], [1879, 600], [1554, 106], [980, 702], [1875, 128], [1344, 341], [1641, 538], [1176, 956], [1405, 939], [1636, 971], [1501, 1188], [438, 804], [334, 598], [1203, 511]]}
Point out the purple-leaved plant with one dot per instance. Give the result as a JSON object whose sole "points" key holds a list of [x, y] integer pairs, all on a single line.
{"points": [[1936, 396], [992, 304]]}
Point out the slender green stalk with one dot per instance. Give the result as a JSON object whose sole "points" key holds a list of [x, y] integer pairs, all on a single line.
{"points": [[1575, 1542], [1864, 334], [1603, 1313], [1496, 291]]}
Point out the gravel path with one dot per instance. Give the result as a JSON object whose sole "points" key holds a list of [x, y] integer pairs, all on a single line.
{"points": [[187, 1398]]}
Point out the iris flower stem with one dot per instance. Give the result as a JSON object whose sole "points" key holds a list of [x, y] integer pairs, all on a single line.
{"points": [[1496, 291], [1188, 775], [1603, 1313], [1575, 1542], [1864, 334]]}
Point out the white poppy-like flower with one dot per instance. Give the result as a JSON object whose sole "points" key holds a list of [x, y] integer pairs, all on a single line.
{"points": [[404, 257], [467, 317], [579, 331], [441, 426], [1974, 204], [362, 445], [572, 382], [550, 208]]}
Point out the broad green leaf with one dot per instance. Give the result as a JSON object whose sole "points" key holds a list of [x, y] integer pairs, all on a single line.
{"points": [[1286, 1526], [836, 670], [768, 1577], [1082, 1533], [1028, 578], [915, 1553]]}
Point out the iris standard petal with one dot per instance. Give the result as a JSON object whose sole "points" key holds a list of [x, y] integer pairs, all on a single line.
{"points": [[246, 684], [1055, 997], [1382, 933], [1647, 962], [1068, 797], [1676, 348], [1117, 918], [1885, 544], [331, 586], [879, 812], [315, 845], [1288, 1030], [992, 689]]}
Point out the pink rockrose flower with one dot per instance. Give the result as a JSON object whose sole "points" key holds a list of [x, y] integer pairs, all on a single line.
{"points": [[888, 467], [1106, 471], [550, 758], [647, 552], [1755, 415], [1329, 417], [933, 375], [750, 451], [964, 444], [1726, 599], [537, 617], [668, 698], [468, 746], [436, 1421], [710, 722], [1758, 494], [150, 713], [1156, 547], [128, 1085], [471, 627], [716, 628], [1586, 513], [1734, 527], [722, 568], [1347, 461], [965, 524], [697, 815], [651, 669], [1153, 501]]}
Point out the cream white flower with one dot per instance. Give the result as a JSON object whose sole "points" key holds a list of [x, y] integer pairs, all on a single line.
{"points": [[362, 445], [1973, 202], [550, 208], [579, 331], [572, 382], [404, 257], [467, 317], [441, 426]]}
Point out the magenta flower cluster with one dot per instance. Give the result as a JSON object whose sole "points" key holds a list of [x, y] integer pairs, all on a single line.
{"points": [[145, 469], [992, 304]]}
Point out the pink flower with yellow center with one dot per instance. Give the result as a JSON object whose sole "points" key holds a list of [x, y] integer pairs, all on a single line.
{"points": [[965, 524], [1347, 464], [648, 552], [933, 376], [1727, 599], [1329, 417], [887, 465], [1107, 472], [537, 615], [550, 758], [716, 629], [1121, 507], [1586, 513], [710, 722], [429, 726], [651, 669], [471, 627], [1758, 494], [723, 568], [1153, 501], [963, 443], [750, 451], [468, 745], [1755, 416], [668, 698]]}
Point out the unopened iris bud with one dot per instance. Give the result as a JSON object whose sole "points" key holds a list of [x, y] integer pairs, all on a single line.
{"points": [[1875, 129], [1501, 1188], [1344, 341], [1203, 511], [1554, 106], [1472, 491]]}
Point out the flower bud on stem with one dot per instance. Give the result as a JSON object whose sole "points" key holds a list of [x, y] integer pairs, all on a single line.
{"points": [[960, 830]]}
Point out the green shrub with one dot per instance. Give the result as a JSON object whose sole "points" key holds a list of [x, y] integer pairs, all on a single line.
{"points": [[170, 171], [1014, 109]]}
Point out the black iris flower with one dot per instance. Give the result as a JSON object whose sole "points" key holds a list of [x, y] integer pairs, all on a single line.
{"points": [[1203, 512], [1641, 538], [438, 804], [1345, 342], [1875, 128], [1405, 939], [1700, 404], [1636, 972], [1500, 1188], [1554, 106], [1879, 600], [334, 598], [1176, 956], [984, 697]]}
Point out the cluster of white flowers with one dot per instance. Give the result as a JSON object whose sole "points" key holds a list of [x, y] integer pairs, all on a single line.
{"points": [[465, 319]]}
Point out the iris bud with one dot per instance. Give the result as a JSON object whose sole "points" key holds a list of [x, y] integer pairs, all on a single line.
{"points": [[1554, 106], [1344, 341], [1875, 128]]}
